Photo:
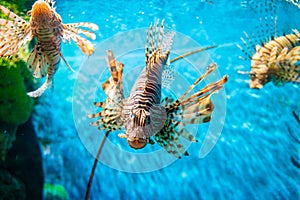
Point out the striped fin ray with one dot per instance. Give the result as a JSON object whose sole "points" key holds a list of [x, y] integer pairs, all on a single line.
{"points": [[85, 45], [109, 117], [158, 45], [247, 47], [14, 33], [111, 109], [71, 31], [38, 62], [265, 30], [195, 109], [74, 28]]}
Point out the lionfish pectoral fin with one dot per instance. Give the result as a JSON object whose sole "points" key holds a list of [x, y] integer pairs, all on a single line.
{"points": [[73, 28], [113, 85], [169, 135], [14, 33], [38, 62], [106, 86], [199, 112], [168, 76], [111, 113], [85, 45], [168, 138], [115, 67], [194, 108]]}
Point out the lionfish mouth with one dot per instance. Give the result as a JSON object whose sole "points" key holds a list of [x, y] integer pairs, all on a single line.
{"points": [[137, 143], [40, 11]]}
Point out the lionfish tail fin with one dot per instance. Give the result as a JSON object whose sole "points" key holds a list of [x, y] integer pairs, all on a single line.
{"points": [[41, 89], [14, 33], [71, 31]]}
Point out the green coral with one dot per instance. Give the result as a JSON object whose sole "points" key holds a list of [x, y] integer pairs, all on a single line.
{"points": [[15, 79], [16, 106], [55, 191], [20, 7], [13, 98]]}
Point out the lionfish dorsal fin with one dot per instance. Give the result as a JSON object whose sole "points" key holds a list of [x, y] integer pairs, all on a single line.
{"points": [[158, 45], [283, 53], [273, 54]]}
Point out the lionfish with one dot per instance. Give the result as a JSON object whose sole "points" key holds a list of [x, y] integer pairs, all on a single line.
{"points": [[146, 118], [277, 60], [46, 26]]}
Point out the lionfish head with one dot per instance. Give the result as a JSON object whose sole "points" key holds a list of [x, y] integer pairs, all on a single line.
{"points": [[134, 140], [137, 137], [259, 74], [41, 12]]}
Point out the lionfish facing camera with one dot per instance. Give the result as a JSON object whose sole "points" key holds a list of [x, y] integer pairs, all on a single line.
{"points": [[144, 116], [46, 26], [276, 60]]}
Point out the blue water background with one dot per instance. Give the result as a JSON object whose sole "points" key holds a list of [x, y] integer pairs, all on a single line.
{"points": [[252, 159]]}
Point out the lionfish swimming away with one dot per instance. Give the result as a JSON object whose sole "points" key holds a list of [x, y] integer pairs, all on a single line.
{"points": [[276, 60], [46, 26], [144, 116]]}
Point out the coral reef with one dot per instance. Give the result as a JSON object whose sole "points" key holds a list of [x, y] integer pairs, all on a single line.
{"points": [[16, 106], [21, 172]]}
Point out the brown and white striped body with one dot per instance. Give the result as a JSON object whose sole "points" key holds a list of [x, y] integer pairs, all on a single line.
{"points": [[140, 107]]}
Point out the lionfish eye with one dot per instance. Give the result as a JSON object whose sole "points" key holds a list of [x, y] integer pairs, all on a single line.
{"points": [[252, 75]]}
